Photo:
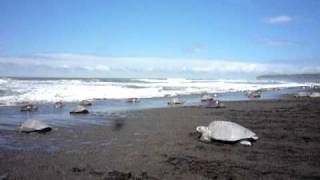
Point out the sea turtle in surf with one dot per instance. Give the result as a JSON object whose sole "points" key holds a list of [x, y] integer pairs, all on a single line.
{"points": [[175, 101], [253, 94], [29, 107], [133, 100], [85, 103], [58, 104], [33, 125], [79, 110], [226, 131], [206, 98]]}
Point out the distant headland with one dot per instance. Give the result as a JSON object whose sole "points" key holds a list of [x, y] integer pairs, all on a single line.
{"points": [[311, 77]]}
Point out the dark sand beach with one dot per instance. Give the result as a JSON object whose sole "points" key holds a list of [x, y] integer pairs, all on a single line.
{"points": [[162, 144]]}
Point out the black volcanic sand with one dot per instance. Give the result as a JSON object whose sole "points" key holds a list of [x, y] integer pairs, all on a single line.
{"points": [[162, 144]]}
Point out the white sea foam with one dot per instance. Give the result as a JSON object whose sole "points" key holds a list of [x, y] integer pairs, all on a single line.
{"points": [[2, 81], [52, 90]]}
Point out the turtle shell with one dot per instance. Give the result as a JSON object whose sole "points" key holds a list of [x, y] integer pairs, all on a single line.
{"points": [[79, 110], [85, 103], [32, 125], [174, 101], [229, 131], [206, 97]]}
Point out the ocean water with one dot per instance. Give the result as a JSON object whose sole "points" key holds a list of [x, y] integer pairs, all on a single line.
{"points": [[14, 91], [109, 96]]}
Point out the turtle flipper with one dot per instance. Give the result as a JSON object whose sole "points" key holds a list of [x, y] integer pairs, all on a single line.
{"points": [[205, 137], [245, 142], [255, 137]]}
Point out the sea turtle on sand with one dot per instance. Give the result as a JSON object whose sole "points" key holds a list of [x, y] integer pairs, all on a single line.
{"points": [[314, 95], [85, 103], [29, 107], [79, 110], [175, 101], [302, 94], [206, 98], [133, 100], [33, 125], [226, 131], [216, 104]]}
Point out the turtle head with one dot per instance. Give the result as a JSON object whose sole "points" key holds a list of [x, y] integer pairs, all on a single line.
{"points": [[205, 133], [202, 129]]}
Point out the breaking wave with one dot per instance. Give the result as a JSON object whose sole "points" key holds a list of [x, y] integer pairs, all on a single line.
{"points": [[18, 90]]}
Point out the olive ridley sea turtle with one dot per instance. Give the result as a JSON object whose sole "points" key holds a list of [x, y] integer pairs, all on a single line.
{"points": [[58, 104], [85, 103], [226, 131], [206, 98], [29, 107], [33, 125], [133, 100], [175, 101], [79, 110]]}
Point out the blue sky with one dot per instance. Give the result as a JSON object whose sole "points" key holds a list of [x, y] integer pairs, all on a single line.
{"points": [[144, 38]]}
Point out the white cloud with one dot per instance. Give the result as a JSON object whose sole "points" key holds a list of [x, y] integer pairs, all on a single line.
{"points": [[100, 66], [279, 19]]}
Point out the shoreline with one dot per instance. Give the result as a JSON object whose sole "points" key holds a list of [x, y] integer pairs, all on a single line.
{"points": [[10, 116], [161, 144]]}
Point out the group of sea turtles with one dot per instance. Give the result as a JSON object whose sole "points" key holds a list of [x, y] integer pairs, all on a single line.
{"points": [[34, 125], [207, 101], [216, 130], [225, 131]]}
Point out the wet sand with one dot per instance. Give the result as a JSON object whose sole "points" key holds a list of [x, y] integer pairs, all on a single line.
{"points": [[162, 144]]}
